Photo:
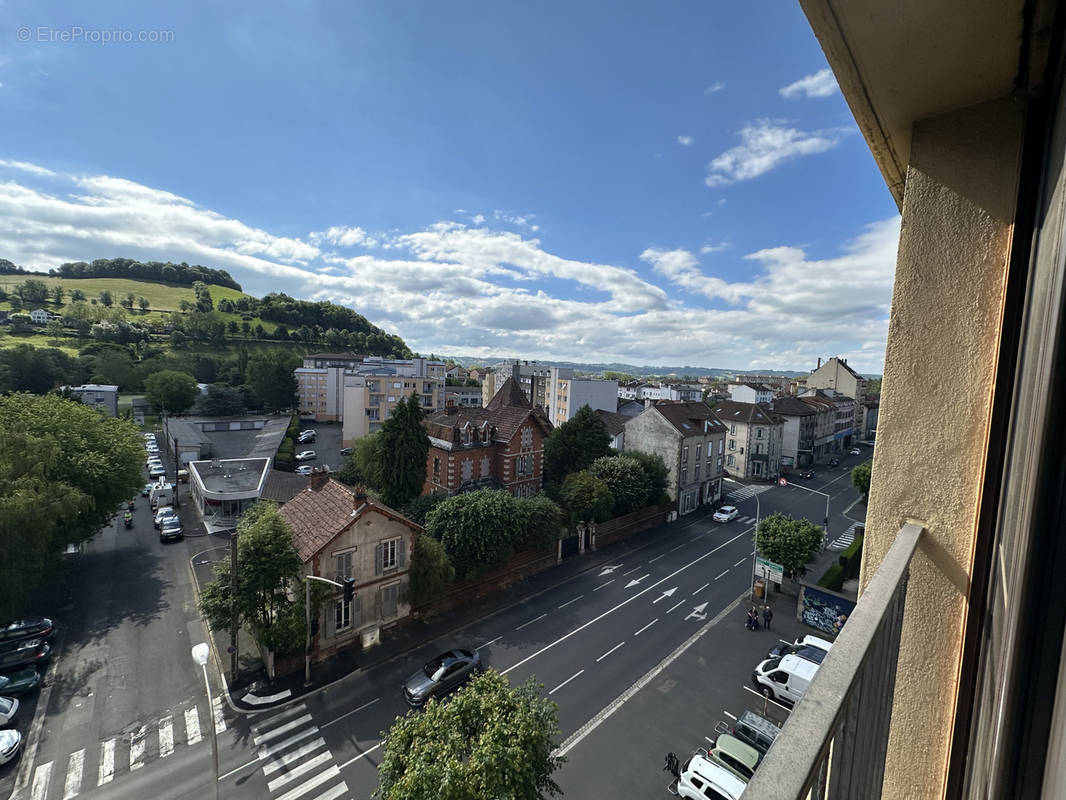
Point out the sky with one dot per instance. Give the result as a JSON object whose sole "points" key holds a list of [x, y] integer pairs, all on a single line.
{"points": [[669, 183]]}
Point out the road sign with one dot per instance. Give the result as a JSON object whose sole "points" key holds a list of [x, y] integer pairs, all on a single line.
{"points": [[782, 481], [770, 570]]}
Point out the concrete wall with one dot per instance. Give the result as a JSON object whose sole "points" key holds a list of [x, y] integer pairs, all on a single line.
{"points": [[943, 339], [651, 433]]}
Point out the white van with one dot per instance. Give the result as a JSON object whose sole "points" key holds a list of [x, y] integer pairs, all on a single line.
{"points": [[701, 779], [785, 678], [162, 494]]}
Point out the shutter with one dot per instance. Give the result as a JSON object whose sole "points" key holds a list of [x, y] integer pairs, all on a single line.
{"points": [[401, 555], [331, 621], [377, 558], [357, 611]]}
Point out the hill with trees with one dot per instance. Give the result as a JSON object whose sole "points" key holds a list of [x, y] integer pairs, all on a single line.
{"points": [[164, 271]]}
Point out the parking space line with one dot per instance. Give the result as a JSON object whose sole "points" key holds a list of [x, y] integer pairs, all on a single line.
{"points": [[561, 685], [598, 660], [107, 763], [761, 696], [638, 633], [524, 624], [729, 715], [740, 562]]}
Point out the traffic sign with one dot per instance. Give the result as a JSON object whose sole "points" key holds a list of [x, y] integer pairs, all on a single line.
{"points": [[782, 481], [770, 570]]}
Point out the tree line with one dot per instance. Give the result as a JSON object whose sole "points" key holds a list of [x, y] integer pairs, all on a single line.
{"points": [[162, 271]]}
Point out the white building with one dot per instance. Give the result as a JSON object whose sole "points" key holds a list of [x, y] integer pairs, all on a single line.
{"points": [[322, 381], [565, 394], [102, 397], [224, 489], [748, 392]]}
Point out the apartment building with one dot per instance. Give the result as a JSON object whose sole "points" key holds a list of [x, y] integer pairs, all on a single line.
{"points": [[320, 392], [371, 393], [835, 375], [565, 394], [754, 439], [652, 392], [799, 430], [530, 376], [750, 392]]}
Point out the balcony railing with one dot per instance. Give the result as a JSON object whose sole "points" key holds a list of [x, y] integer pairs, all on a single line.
{"points": [[833, 745]]}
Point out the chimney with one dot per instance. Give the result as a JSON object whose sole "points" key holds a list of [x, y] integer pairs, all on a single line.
{"points": [[358, 496], [819, 362], [319, 478]]}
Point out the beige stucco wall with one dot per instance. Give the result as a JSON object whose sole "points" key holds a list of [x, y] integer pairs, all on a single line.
{"points": [[932, 434]]}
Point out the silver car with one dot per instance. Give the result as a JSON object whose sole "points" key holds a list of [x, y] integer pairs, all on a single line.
{"points": [[441, 675]]}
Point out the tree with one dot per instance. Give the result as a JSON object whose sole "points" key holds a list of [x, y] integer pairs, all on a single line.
{"points": [[77, 296], [431, 571], [107, 298], [363, 466], [32, 290], [55, 329], [790, 542], [488, 741], [404, 448], [271, 376], [477, 530], [58, 293], [25, 368], [170, 391], [417, 508], [656, 472], [222, 400], [860, 478], [626, 480], [267, 566], [541, 521], [586, 497], [575, 444], [143, 304], [64, 468]]}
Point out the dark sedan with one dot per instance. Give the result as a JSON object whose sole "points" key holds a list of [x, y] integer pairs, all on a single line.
{"points": [[441, 675], [807, 474], [20, 681], [834, 462]]}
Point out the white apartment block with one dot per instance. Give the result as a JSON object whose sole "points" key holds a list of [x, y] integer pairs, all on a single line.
{"points": [[320, 393], [564, 395], [747, 392], [371, 394]]}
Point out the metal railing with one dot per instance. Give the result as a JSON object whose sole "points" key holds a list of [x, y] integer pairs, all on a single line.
{"points": [[834, 743]]}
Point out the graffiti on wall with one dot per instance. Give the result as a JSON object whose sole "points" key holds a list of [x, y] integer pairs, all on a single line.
{"points": [[825, 611]]}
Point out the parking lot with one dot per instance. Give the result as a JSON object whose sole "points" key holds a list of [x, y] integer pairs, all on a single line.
{"points": [[327, 444]]}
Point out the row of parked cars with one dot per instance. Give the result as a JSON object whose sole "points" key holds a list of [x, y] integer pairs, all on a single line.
{"points": [[723, 771], [25, 648]]}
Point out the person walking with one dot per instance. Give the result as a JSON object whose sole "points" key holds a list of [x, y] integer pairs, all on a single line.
{"points": [[767, 615], [753, 619]]}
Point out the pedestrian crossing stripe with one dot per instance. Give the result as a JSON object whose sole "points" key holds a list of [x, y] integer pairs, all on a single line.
{"points": [[287, 756], [845, 540]]}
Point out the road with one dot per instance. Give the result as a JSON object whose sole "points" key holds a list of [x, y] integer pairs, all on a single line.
{"points": [[127, 716]]}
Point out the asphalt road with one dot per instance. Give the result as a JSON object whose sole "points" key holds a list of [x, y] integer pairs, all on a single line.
{"points": [[127, 716]]}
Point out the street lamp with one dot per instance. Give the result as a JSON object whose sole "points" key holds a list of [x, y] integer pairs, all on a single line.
{"points": [[755, 545], [825, 522], [200, 654]]}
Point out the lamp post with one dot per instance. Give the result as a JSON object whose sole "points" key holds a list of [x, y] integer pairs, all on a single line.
{"points": [[200, 653], [755, 544], [825, 522]]}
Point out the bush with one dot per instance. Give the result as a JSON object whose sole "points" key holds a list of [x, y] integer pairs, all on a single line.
{"points": [[833, 579], [851, 559]]}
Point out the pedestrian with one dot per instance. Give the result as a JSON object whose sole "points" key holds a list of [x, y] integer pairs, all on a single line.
{"points": [[753, 619], [767, 615]]}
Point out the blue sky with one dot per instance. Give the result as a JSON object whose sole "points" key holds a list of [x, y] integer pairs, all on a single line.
{"points": [[667, 183]]}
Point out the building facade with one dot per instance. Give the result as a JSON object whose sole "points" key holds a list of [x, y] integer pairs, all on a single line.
{"points": [[754, 440], [102, 397], [565, 394], [322, 382], [835, 375], [749, 392]]}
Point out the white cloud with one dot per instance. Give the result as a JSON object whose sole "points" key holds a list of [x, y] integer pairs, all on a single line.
{"points": [[766, 144], [25, 166], [521, 220], [477, 219], [715, 87], [711, 247], [343, 236], [451, 288], [685, 140], [820, 84]]}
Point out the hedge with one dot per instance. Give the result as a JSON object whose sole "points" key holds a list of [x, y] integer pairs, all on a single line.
{"points": [[851, 559], [833, 580]]}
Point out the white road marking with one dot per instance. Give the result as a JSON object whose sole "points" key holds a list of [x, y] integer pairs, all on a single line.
{"points": [[524, 624], [638, 633], [364, 754], [694, 538], [653, 560], [603, 584], [672, 549], [561, 685], [489, 643], [598, 660], [220, 722], [668, 593], [281, 729], [719, 575], [625, 602], [334, 793], [761, 696], [107, 762], [41, 776], [192, 725], [166, 736], [299, 770], [697, 612], [137, 747], [675, 606], [303, 788], [72, 785], [349, 713], [730, 716], [700, 590], [269, 721], [636, 582], [740, 562], [274, 749], [568, 602], [630, 571], [295, 755]]}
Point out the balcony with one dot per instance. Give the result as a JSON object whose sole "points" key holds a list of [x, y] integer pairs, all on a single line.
{"points": [[833, 745]]}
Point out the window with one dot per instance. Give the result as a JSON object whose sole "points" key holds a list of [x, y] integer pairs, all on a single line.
{"points": [[684, 474], [436, 469], [390, 596], [758, 433], [732, 430], [721, 446], [391, 554], [729, 461], [696, 472], [684, 453], [342, 616], [699, 449], [344, 565], [732, 444]]}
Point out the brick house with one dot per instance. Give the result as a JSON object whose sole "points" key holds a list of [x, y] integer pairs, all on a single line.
{"points": [[341, 533], [500, 446]]}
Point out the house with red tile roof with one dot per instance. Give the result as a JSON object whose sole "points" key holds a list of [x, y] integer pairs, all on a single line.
{"points": [[341, 533]]}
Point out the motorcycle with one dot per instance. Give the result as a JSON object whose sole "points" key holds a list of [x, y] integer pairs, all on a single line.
{"points": [[131, 505], [128, 519]]}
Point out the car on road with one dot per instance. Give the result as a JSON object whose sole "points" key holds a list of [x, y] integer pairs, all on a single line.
{"points": [[163, 514], [147, 489], [9, 708], [440, 675], [855, 451], [157, 471], [346, 451], [304, 469], [306, 455], [154, 461], [807, 474], [19, 681], [171, 529], [834, 462], [701, 779], [725, 514], [10, 742]]}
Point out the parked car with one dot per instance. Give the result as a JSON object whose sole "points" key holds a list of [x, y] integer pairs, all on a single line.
{"points": [[702, 778], [9, 708], [171, 529], [785, 678], [756, 730], [305, 438], [834, 462], [441, 675], [163, 514], [725, 514], [346, 451], [308, 432], [154, 461], [157, 471], [10, 742], [736, 756], [306, 455], [304, 469], [26, 642], [783, 649], [147, 489], [807, 474], [19, 681], [855, 451]]}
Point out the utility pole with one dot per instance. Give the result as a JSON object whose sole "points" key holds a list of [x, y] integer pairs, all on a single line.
{"points": [[234, 624]]}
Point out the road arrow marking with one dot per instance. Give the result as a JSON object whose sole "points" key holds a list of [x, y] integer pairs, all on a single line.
{"points": [[698, 612], [609, 570], [667, 593], [634, 582]]}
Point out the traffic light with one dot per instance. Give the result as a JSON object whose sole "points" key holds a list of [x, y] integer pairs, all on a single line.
{"points": [[314, 627], [349, 589]]}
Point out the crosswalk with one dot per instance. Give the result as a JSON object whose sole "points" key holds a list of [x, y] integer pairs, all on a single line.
{"points": [[746, 493], [297, 764], [89, 767], [844, 541]]}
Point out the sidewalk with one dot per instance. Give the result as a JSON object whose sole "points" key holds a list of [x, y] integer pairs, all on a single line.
{"points": [[414, 633]]}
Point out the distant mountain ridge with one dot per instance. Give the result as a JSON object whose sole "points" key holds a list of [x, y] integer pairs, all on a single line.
{"points": [[631, 369]]}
